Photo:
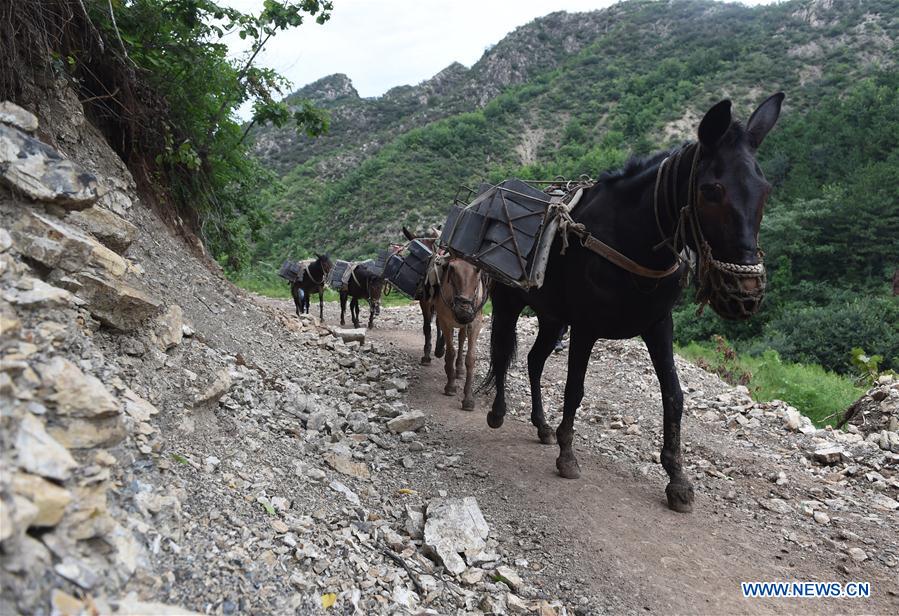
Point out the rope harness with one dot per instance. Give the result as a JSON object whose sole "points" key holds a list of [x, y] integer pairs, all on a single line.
{"points": [[308, 270], [720, 284], [562, 207]]}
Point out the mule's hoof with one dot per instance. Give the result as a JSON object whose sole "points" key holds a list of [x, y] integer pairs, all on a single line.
{"points": [[680, 496], [449, 390], [495, 420], [546, 435], [425, 361], [468, 405], [568, 467], [438, 353]]}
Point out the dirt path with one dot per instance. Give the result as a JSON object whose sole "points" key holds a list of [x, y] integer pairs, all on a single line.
{"points": [[607, 540]]}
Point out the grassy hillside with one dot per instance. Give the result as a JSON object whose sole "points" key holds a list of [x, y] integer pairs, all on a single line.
{"points": [[640, 84]]}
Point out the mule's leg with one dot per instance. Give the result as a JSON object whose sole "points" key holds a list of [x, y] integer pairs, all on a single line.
{"points": [[506, 309], [658, 341], [439, 344], [321, 305], [460, 351], [449, 360], [343, 308], [578, 357], [473, 331], [371, 314], [354, 311], [426, 317], [297, 302], [543, 346]]}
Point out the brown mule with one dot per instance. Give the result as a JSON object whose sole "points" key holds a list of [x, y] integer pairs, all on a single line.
{"points": [[459, 299]]}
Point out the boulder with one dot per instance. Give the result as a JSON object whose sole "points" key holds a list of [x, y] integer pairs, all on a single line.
{"points": [[12, 114], [56, 244], [218, 388], [50, 499], [115, 303], [455, 526], [112, 230], [76, 393], [76, 433], [169, 328], [351, 335], [32, 167], [41, 454], [407, 422]]}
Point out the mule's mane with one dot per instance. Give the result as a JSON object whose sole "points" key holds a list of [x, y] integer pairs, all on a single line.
{"points": [[635, 165]]}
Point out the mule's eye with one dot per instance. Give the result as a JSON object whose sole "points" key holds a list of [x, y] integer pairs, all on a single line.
{"points": [[713, 193]]}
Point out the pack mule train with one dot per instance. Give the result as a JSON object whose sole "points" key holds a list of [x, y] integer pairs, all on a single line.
{"points": [[309, 279], [697, 207]]}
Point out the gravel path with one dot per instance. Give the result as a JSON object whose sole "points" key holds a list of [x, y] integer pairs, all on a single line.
{"points": [[607, 542]]}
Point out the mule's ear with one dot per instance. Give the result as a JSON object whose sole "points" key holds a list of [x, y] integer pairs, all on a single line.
{"points": [[408, 234], [714, 124], [763, 119]]}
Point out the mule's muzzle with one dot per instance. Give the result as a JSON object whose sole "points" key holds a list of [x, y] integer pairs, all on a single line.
{"points": [[464, 310], [734, 291]]}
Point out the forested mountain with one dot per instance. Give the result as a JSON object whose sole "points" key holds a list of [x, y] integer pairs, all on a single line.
{"points": [[578, 94]]}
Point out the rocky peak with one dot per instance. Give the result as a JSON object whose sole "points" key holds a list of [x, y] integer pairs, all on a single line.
{"points": [[328, 89]]}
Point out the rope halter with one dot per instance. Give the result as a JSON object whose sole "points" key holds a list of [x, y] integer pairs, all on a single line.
{"points": [[720, 284]]}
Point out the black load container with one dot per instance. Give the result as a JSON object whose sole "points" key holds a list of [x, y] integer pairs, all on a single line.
{"points": [[377, 266], [506, 230], [290, 270], [407, 272], [338, 273]]}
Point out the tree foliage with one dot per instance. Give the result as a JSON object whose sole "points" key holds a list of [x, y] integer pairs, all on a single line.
{"points": [[157, 79]]}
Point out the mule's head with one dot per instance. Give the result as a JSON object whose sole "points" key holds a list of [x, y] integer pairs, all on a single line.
{"points": [[325, 261], [462, 290], [730, 200]]}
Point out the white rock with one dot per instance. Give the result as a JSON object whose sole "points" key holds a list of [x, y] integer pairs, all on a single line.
{"points": [[75, 393], [857, 554], [453, 527], [40, 454], [12, 114], [829, 454], [342, 489], [351, 335], [40, 172], [792, 420], [407, 422]]}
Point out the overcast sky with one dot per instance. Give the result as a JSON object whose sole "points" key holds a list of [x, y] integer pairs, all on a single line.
{"points": [[385, 43]]}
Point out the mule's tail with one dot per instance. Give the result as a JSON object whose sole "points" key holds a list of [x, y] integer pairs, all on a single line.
{"points": [[503, 348]]}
